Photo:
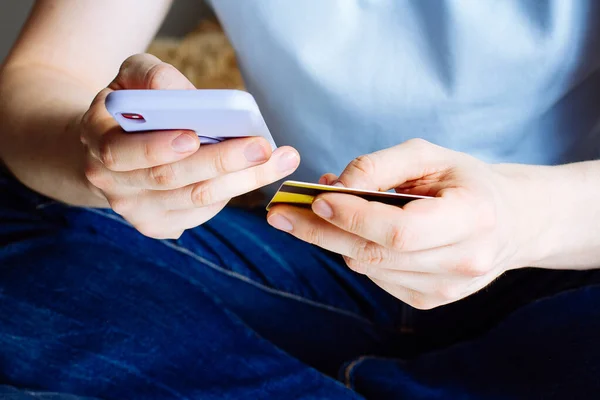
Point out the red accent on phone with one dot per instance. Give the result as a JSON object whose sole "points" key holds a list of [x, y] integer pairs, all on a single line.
{"points": [[133, 116]]}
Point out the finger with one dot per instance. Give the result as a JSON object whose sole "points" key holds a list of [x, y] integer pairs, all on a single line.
{"points": [[391, 167], [406, 295], [419, 225], [172, 224], [411, 297], [456, 260], [283, 162], [364, 256], [120, 151], [104, 179], [145, 71], [304, 225], [188, 219], [327, 179], [428, 290], [448, 287], [206, 163]]}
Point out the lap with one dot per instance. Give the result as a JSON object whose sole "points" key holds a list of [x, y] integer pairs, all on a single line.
{"points": [[84, 297], [124, 324], [547, 349], [231, 304]]}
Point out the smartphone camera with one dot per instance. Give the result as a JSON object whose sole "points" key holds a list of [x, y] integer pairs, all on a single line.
{"points": [[134, 117]]}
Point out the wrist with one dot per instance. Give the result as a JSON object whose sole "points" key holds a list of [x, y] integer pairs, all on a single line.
{"points": [[553, 208], [522, 188]]}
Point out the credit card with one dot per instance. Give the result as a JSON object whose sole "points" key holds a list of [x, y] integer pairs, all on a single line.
{"points": [[302, 194]]}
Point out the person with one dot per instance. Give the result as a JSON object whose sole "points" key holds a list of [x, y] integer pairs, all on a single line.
{"points": [[124, 274]]}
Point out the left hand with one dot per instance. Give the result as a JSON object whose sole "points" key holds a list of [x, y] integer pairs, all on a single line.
{"points": [[430, 252]]}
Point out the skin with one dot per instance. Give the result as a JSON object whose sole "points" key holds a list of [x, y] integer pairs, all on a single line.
{"points": [[482, 221], [57, 139]]}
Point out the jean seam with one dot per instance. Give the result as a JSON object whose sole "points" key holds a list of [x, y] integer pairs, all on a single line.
{"points": [[349, 371], [235, 275], [41, 206], [131, 369]]}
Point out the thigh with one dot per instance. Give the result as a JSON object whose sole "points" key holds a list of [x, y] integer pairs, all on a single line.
{"points": [[477, 314], [12, 393], [547, 349], [86, 316], [115, 314]]}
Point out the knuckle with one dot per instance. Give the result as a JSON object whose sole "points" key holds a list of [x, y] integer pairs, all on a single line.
{"points": [[220, 161], [105, 153], [447, 292], [418, 143], [98, 176], [353, 264], [87, 119], [370, 253], [421, 148], [313, 235], [134, 61], [163, 176], [470, 266], [356, 222], [130, 61], [150, 155], [203, 195], [153, 231], [399, 237], [122, 205], [364, 165], [157, 75], [176, 235], [91, 119], [421, 301]]}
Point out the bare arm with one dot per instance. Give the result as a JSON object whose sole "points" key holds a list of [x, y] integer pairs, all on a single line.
{"points": [[67, 52]]}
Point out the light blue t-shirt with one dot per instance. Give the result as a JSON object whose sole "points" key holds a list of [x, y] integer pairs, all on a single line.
{"points": [[503, 80]]}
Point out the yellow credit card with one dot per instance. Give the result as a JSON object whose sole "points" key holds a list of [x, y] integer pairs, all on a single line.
{"points": [[302, 194]]}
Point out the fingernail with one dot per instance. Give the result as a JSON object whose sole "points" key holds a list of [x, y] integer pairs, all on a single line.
{"points": [[255, 153], [287, 161], [183, 143], [322, 208], [322, 181], [280, 222], [339, 184]]}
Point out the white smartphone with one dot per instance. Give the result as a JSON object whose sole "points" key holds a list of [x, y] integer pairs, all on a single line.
{"points": [[214, 114]]}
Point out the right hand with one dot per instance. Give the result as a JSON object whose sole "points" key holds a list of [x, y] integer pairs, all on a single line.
{"points": [[164, 182]]}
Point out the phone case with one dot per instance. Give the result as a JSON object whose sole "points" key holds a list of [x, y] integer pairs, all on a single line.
{"points": [[214, 114]]}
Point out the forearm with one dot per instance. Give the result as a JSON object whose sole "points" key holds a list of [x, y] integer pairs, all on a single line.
{"points": [[66, 53], [39, 139], [558, 214]]}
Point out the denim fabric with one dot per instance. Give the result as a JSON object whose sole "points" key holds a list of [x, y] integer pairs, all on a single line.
{"points": [[547, 350], [11, 393], [235, 309]]}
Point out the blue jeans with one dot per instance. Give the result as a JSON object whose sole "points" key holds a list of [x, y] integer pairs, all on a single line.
{"points": [[234, 309]]}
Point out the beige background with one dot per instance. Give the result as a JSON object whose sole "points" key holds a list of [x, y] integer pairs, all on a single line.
{"points": [[183, 16]]}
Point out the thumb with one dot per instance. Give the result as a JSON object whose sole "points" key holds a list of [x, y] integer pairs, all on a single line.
{"points": [[387, 169], [145, 71]]}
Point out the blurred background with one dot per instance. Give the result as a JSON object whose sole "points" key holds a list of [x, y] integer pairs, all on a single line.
{"points": [[184, 16]]}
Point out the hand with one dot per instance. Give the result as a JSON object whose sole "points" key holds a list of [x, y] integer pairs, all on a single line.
{"points": [[430, 252], [163, 182]]}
